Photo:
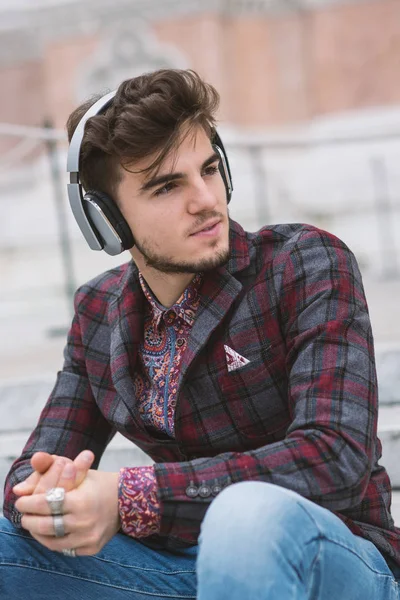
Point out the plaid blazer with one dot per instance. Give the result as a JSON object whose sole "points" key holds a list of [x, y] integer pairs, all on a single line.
{"points": [[301, 413]]}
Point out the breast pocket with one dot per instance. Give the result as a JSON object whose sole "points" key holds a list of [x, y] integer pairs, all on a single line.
{"points": [[255, 394]]}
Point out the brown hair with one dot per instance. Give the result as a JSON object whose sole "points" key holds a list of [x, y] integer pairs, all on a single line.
{"points": [[145, 118]]}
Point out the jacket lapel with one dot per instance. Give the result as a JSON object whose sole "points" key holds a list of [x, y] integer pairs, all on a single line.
{"points": [[125, 317], [218, 293]]}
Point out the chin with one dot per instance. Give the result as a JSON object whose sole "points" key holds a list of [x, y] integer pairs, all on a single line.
{"points": [[217, 258]]}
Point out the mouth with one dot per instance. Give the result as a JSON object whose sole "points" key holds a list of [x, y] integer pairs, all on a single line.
{"points": [[208, 228]]}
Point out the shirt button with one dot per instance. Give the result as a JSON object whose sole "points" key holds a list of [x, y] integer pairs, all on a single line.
{"points": [[180, 342], [169, 317], [192, 490], [204, 491]]}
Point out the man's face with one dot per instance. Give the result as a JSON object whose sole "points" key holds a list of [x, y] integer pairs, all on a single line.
{"points": [[179, 217]]}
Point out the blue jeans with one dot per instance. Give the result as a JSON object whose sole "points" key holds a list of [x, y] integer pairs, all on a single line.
{"points": [[258, 542]]}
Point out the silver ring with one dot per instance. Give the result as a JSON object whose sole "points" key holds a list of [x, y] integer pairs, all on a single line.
{"points": [[58, 522], [69, 552], [55, 499]]}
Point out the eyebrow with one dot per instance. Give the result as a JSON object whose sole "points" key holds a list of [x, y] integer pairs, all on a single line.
{"points": [[155, 181]]}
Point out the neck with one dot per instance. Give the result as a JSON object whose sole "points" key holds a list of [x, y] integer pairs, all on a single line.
{"points": [[166, 287]]}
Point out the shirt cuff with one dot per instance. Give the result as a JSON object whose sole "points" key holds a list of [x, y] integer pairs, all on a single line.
{"points": [[139, 507]]}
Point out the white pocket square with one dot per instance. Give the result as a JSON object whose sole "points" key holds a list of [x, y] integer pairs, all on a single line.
{"points": [[234, 360]]}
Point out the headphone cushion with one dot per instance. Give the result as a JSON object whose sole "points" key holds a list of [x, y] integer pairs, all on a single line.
{"points": [[225, 174], [114, 215]]}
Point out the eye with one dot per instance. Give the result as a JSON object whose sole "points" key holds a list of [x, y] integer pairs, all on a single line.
{"points": [[211, 170], [165, 189]]}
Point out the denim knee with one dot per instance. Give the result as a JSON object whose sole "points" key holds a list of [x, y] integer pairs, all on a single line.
{"points": [[259, 540], [13, 540], [250, 529], [254, 508]]}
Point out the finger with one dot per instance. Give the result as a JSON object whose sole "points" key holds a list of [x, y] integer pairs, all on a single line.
{"points": [[44, 526], [78, 543], [36, 504], [51, 477], [42, 461], [73, 473], [53, 543], [67, 479], [27, 486], [83, 462]]}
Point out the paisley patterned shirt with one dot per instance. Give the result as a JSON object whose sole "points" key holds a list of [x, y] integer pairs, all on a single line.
{"points": [[166, 331]]}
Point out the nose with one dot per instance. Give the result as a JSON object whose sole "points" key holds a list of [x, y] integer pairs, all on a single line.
{"points": [[202, 197]]}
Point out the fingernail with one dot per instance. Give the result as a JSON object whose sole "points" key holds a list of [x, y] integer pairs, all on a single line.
{"points": [[68, 470], [87, 456], [19, 486]]}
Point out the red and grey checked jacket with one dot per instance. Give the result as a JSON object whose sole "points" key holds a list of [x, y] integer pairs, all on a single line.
{"points": [[302, 413]]}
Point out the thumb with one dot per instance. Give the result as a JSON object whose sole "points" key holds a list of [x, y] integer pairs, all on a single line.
{"points": [[42, 461]]}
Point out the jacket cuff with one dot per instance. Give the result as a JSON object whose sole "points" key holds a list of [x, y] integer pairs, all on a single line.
{"points": [[139, 507]]}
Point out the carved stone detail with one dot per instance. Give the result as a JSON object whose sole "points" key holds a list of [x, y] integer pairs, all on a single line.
{"points": [[127, 49]]}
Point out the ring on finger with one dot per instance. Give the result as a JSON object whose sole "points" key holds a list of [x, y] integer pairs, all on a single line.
{"points": [[69, 552], [55, 499], [59, 529]]}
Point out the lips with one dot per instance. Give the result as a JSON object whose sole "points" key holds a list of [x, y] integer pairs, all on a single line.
{"points": [[207, 226]]}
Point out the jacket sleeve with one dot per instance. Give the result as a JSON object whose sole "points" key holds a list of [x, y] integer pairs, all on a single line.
{"points": [[327, 452], [70, 421]]}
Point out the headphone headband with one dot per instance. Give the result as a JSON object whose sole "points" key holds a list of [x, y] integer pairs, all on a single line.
{"points": [[76, 140]]}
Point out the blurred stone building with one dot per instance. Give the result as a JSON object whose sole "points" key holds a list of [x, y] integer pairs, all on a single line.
{"points": [[275, 62]]}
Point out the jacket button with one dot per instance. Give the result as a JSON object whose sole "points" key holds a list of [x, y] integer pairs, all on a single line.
{"points": [[192, 491], [16, 517], [204, 491], [216, 489]]}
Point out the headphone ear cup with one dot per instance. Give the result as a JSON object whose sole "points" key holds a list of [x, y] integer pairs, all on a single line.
{"points": [[110, 212]]}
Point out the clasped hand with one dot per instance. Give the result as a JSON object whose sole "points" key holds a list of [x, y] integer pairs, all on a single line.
{"points": [[91, 516]]}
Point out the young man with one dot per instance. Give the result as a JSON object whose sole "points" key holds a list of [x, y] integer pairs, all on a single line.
{"points": [[242, 363]]}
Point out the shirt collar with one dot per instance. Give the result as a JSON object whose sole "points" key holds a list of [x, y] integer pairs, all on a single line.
{"points": [[185, 307]]}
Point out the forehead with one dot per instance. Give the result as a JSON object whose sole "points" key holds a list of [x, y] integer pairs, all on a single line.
{"points": [[194, 148], [195, 145]]}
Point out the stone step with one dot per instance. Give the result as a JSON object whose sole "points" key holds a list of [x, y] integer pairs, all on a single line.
{"points": [[396, 508], [389, 434]]}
